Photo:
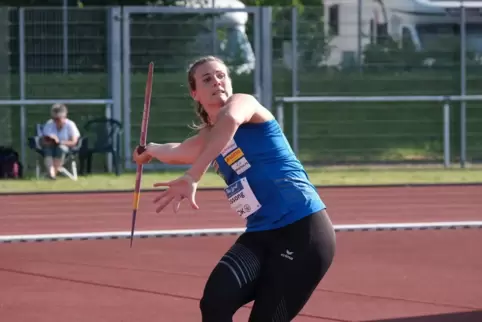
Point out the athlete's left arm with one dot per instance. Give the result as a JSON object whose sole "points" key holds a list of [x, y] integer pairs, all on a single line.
{"points": [[239, 109]]}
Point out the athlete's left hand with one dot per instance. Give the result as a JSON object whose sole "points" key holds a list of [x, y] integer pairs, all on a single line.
{"points": [[181, 188]]}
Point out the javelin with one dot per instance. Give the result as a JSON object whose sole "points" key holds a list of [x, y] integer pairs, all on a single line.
{"points": [[142, 143]]}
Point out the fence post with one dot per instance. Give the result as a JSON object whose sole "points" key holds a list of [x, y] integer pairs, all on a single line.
{"points": [[65, 35], [294, 74], [21, 57], [446, 134], [280, 115], [267, 57], [359, 34], [258, 44], [126, 77], [463, 114], [114, 63]]}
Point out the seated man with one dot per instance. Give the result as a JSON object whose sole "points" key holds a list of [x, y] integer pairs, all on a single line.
{"points": [[59, 135]]}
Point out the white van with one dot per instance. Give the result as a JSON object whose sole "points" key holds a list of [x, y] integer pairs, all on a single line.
{"points": [[413, 22]]}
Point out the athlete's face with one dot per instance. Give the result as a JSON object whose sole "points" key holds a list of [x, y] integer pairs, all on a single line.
{"points": [[213, 85]]}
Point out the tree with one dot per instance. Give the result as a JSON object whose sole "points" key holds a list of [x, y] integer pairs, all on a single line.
{"points": [[312, 41]]}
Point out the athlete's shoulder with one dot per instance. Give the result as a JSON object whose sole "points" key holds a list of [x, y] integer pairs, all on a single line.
{"points": [[245, 108], [261, 114], [246, 98]]}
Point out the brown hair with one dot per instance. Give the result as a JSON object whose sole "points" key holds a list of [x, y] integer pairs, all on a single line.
{"points": [[199, 109]]}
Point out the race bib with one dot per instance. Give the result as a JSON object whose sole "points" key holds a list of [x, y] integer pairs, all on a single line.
{"points": [[241, 198]]}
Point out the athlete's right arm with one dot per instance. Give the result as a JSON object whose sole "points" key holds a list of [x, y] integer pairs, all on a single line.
{"points": [[185, 152]]}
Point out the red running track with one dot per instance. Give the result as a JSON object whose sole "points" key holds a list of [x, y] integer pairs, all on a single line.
{"points": [[64, 213], [377, 276]]}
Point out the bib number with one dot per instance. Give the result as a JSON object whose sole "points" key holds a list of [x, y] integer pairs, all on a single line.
{"points": [[241, 198]]}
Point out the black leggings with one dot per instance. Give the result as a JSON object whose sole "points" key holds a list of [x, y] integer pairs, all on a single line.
{"points": [[277, 269]]}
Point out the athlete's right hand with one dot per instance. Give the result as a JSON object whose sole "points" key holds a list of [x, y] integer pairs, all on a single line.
{"points": [[178, 189], [141, 156]]}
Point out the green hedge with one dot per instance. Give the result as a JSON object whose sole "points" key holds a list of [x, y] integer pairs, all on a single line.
{"points": [[329, 132]]}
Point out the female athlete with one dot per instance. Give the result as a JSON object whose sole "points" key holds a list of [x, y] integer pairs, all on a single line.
{"points": [[289, 242]]}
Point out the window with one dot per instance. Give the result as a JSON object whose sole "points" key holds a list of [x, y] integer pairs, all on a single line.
{"points": [[333, 19]]}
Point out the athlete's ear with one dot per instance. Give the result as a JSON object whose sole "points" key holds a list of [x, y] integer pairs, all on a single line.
{"points": [[193, 94]]}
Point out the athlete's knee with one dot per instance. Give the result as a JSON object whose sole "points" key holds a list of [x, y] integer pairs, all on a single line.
{"points": [[216, 304], [210, 312], [213, 309]]}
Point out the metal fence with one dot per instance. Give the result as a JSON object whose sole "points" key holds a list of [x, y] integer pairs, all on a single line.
{"points": [[172, 37], [444, 135], [343, 48], [51, 57], [371, 49]]}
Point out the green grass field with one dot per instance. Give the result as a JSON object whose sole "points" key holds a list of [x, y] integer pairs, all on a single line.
{"points": [[319, 176]]}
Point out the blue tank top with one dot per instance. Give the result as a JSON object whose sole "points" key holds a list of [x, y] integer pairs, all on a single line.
{"points": [[267, 185]]}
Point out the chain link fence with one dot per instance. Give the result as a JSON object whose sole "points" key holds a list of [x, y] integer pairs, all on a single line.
{"points": [[343, 48], [378, 48], [51, 56]]}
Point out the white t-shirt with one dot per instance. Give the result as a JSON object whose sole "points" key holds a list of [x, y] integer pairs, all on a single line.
{"points": [[66, 133]]}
